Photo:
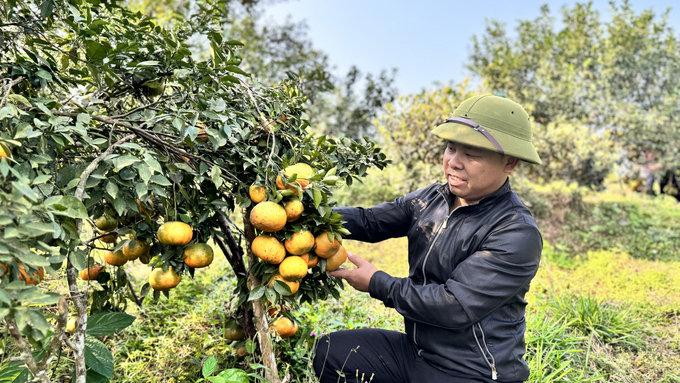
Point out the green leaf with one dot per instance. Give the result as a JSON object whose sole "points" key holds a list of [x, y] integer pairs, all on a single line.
{"points": [[209, 366], [153, 164], [33, 259], [112, 189], [160, 180], [256, 293], [108, 323], [236, 69], [316, 194], [95, 51], [4, 311], [215, 175], [25, 190], [282, 288], [69, 206], [124, 161], [41, 179], [4, 297], [119, 204], [234, 375], [33, 295], [78, 259], [144, 172], [97, 357], [10, 372]]}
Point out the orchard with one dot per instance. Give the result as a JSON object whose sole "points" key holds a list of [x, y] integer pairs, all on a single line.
{"points": [[119, 146]]}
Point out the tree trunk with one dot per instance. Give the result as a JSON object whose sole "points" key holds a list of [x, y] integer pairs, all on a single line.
{"points": [[260, 314]]}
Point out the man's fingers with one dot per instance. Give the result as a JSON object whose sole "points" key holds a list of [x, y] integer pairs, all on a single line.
{"points": [[354, 259], [339, 273]]}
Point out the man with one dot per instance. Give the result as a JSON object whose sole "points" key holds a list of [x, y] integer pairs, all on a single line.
{"points": [[473, 250]]}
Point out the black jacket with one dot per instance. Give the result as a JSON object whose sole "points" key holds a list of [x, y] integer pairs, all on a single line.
{"points": [[469, 269]]}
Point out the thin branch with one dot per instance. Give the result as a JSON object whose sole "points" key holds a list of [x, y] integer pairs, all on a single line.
{"points": [[55, 344], [9, 89], [139, 108], [25, 349]]}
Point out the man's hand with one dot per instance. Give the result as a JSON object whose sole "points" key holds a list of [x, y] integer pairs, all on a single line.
{"points": [[358, 278]]}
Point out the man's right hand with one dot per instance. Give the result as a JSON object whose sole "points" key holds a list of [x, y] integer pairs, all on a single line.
{"points": [[358, 278]]}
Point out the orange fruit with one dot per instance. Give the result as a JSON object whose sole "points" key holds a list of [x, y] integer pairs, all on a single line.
{"points": [[294, 285], [140, 248], [293, 268], [325, 248], [115, 259], [198, 255], [106, 222], [257, 193], [334, 261], [175, 233], [202, 135], [285, 327], [300, 243], [276, 311], [233, 331], [71, 325], [164, 280], [311, 263], [90, 274], [109, 238], [294, 209], [303, 172], [242, 351], [268, 216], [268, 249], [30, 280]]}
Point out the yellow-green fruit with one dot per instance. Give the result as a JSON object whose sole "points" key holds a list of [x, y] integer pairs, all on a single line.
{"points": [[71, 325], [293, 268], [106, 222], [164, 280], [140, 248], [198, 255], [300, 243], [294, 209], [268, 217], [268, 249], [257, 193], [175, 233], [233, 331]]}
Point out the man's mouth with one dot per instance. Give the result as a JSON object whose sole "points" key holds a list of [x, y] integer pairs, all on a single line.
{"points": [[455, 180]]}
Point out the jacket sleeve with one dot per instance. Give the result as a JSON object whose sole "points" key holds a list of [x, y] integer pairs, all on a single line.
{"points": [[505, 263], [383, 221]]}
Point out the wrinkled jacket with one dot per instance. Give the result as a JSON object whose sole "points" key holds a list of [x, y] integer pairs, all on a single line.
{"points": [[469, 269]]}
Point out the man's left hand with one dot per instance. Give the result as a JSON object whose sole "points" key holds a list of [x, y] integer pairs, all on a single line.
{"points": [[358, 278]]}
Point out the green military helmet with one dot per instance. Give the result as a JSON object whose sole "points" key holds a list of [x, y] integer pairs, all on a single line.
{"points": [[492, 123]]}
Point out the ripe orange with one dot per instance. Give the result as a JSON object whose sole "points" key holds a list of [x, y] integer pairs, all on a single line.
{"points": [[90, 274], [285, 327], [115, 259], [233, 331], [300, 243], [303, 172], [293, 268], [311, 263], [4, 152], [294, 285], [106, 222], [268, 249], [294, 209], [140, 248], [109, 238], [198, 255], [276, 311], [268, 216], [164, 280], [30, 280], [257, 193], [175, 233], [334, 261], [324, 247]]}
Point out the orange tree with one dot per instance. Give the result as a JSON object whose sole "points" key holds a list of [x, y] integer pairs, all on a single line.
{"points": [[120, 144]]}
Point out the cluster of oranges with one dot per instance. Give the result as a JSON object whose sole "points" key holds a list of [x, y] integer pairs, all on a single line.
{"points": [[172, 233], [302, 250]]}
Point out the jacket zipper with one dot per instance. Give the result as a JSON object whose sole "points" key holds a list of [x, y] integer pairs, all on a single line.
{"points": [[492, 361], [439, 231]]}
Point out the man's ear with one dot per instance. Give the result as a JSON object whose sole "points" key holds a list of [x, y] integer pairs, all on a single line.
{"points": [[510, 163]]}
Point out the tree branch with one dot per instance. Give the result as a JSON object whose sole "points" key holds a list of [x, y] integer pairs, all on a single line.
{"points": [[25, 349]]}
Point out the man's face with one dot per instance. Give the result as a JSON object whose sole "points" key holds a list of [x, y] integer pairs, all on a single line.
{"points": [[473, 173]]}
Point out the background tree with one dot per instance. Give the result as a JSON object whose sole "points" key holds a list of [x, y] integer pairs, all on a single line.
{"points": [[616, 77]]}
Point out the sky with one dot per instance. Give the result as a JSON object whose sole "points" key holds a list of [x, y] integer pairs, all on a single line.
{"points": [[428, 42]]}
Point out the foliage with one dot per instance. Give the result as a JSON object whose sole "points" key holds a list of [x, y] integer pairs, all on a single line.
{"points": [[405, 128], [614, 77], [107, 114]]}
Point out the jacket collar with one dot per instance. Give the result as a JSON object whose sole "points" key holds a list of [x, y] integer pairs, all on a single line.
{"points": [[450, 197]]}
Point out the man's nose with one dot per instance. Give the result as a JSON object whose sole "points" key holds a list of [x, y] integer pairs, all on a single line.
{"points": [[455, 160]]}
